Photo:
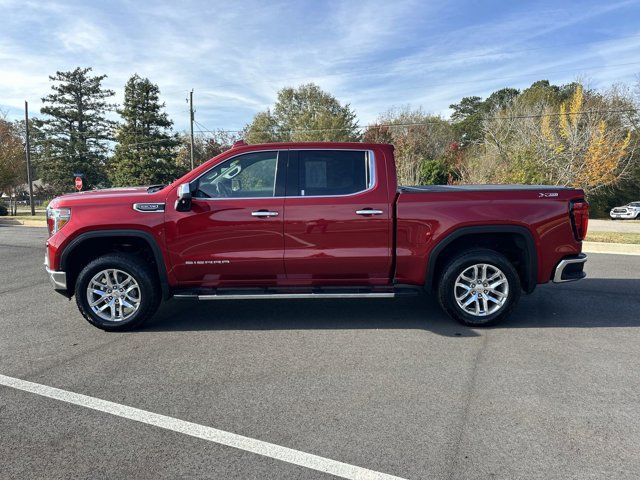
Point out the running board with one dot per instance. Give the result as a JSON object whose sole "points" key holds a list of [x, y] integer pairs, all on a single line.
{"points": [[280, 296], [252, 294]]}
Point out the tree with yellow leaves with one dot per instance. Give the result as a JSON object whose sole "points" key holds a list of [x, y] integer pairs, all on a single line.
{"points": [[590, 144], [583, 141]]}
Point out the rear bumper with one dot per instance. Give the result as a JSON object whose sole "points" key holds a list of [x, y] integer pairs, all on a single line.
{"points": [[570, 269]]}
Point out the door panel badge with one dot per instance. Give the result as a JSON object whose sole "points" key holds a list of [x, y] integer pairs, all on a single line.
{"points": [[207, 262]]}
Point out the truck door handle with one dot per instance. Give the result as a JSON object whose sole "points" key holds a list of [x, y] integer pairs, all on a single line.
{"points": [[369, 211], [264, 213]]}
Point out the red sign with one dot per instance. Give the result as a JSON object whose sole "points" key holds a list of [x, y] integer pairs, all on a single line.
{"points": [[78, 183]]}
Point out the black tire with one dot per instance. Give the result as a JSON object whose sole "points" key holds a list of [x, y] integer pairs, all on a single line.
{"points": [[140, 270], [446, 286]]}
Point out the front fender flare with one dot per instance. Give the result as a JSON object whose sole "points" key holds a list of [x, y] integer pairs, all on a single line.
{"points": [[146, 236]]}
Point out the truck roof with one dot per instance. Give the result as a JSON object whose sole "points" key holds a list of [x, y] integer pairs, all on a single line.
{"points": [[327, 145]]}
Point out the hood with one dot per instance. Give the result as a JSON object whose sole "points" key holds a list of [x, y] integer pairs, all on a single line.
{"points": [[105, 196], [107, 192]]}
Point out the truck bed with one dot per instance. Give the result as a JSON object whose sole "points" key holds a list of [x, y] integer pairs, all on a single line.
{"points": [[426, 215]]}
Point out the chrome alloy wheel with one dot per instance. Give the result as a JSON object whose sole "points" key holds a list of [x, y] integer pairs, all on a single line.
{"points": [[481, 290], [113, 295]]}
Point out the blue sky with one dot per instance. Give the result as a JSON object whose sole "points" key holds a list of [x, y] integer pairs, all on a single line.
{"points": [[373, 54]]}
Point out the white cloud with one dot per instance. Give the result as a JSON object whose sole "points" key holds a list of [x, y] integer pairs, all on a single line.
{"points": [[82, 35]]}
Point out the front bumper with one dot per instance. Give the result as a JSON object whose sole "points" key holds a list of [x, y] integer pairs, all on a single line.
{"points": [[58, 279], [628, 215], [570, 269]]}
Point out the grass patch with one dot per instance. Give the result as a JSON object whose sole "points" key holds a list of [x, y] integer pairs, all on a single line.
{"points": [[20, 214], [614, 237], [26, 213]]}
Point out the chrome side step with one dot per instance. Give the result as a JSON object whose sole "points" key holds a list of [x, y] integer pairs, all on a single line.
{"points": [[280, 296]]}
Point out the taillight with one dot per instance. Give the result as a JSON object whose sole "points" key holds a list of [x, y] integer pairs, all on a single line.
{"points": [[580, 218]]}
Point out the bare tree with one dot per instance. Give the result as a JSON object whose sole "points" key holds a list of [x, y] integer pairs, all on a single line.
{"points": [[12, 159], [417, 137]]}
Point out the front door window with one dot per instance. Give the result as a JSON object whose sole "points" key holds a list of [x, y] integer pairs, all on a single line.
{"points": [[252, 175]]}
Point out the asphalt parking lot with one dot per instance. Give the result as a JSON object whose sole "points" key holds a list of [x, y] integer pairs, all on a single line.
{"points": [[388, 385]]}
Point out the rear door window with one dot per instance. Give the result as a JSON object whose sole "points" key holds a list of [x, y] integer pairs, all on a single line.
{"points": [[331, 172]]}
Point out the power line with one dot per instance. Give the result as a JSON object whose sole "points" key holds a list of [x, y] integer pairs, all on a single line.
{"points": [[147, 142], [477, 80], [379, 125], [204, 129], [126, 145], [429, 122]]}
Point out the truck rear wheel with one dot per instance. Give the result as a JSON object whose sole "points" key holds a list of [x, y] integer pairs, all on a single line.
{"points": [[117, 292], [479, 288]]}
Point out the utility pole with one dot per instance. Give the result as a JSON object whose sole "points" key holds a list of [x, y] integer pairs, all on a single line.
{"points": [[27, 151], [191, 123]]}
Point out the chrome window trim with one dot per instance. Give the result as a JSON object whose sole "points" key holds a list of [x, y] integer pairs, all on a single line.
{"points": [[373, 177], [275, 175], [136, 207]]}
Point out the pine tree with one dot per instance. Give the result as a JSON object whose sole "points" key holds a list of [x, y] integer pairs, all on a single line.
{"points": [[75, 129], [145, 153]]}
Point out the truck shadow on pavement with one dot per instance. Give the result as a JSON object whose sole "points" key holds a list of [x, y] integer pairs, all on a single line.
{"points": [[418, 313], [590, 303]]}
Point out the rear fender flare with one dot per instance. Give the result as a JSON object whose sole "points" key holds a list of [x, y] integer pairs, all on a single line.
{"points": [[531, 254]]}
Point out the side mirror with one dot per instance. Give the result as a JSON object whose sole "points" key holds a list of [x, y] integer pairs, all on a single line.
{"points": [[183, 204]]}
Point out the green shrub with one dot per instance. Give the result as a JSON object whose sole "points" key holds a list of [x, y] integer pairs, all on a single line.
{"points": [[3, 210], [435, 172]]}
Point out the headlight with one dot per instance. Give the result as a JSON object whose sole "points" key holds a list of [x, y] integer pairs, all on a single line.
{"points": [[57, 218]]}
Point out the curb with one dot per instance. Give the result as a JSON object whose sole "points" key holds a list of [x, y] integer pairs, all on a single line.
{"points": [[612, 248]]}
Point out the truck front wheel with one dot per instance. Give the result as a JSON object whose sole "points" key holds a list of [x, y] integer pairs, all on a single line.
{"points": [[479, 288], [117, 292]]}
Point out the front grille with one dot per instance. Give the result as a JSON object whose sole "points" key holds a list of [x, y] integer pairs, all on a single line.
{"points": [[619, 210]]}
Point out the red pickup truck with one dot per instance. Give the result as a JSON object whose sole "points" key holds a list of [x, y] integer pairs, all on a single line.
{"points": [[310, 220]]}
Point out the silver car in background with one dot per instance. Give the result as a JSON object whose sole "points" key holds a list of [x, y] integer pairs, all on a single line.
{"points": [[631, 211]]}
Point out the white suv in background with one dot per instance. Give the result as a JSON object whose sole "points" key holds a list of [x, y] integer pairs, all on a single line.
{"points": [[631, 211]]}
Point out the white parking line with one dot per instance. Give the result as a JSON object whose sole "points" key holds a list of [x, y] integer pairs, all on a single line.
{"points": [[259, 447]]}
